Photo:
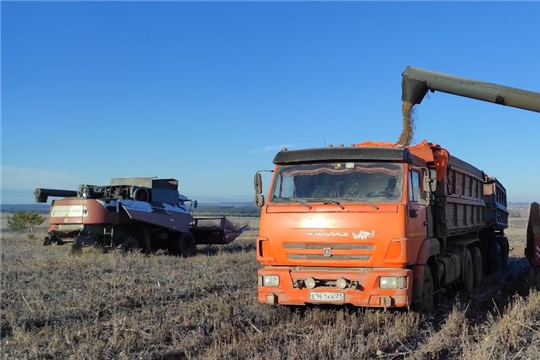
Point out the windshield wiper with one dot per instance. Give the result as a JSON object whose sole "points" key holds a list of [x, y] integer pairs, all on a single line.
{"points": [[330, 201], [355, 200], [299, 201]]}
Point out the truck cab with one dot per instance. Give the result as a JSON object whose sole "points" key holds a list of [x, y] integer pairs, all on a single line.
{"points": [[343, 225]]}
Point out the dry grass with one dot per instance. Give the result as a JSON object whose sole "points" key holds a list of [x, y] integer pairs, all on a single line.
{"points": [[108, 306]]}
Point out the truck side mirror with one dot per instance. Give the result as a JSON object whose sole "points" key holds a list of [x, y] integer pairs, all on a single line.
{"points": [[259, 200], [257, 182], [429, 177], [424, 198], [428, 186]]}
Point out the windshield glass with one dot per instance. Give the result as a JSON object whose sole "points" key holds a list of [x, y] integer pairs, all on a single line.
{"points": [[344, 182]]}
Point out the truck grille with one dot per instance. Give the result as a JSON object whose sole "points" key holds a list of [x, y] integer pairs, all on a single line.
{"points": [[331, 252]]}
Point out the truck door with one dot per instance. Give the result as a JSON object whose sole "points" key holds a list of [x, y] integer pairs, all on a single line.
{"points": [[416, 217]]}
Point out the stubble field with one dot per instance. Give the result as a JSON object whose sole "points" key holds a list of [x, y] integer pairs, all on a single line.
{"points": [[109, 306]]}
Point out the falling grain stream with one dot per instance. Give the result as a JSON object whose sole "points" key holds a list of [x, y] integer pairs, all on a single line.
{"points": [[408, 124]]}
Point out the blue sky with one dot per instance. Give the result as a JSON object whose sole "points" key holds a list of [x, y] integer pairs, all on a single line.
{"points": [[207, 92]]}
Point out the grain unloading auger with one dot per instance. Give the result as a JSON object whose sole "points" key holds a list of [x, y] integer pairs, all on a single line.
{"points": [[132, 213], [416, 82]]}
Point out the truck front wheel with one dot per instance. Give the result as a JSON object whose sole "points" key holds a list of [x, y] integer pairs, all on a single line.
{"points": [[503, 242], [427, 303]]}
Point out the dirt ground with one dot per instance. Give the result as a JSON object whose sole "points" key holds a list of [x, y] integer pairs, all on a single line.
{"points": [[109, 306]]}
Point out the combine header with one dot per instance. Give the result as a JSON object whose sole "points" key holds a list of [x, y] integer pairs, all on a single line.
{"points": [[131, 214]]}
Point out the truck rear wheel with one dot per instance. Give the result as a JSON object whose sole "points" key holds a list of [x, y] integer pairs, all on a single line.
{"points": [[494, 257], [503, 242], [478, 270], [468, 272]]}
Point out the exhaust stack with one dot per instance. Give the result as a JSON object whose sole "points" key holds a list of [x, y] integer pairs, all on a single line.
{"points": [[43, 194]]}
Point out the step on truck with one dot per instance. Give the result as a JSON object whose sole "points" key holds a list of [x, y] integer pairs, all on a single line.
{"points": [[377, 225], [143, 213]]}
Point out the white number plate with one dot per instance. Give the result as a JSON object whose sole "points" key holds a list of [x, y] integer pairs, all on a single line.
{"points": [[326, 296]]}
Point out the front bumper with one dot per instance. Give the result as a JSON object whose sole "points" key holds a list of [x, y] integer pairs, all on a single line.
{"points": [[363, 289]]}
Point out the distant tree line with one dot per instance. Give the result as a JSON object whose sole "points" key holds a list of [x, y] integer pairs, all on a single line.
{"points": [[216, 210]]}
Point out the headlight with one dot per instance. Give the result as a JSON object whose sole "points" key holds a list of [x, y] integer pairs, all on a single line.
{"points": [[342, 283], [310, 283], [270, 280], [393, 282]]}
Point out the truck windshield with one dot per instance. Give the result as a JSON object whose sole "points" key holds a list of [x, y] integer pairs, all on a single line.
{"points": [[371, 182]]}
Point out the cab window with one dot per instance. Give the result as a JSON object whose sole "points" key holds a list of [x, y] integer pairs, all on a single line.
{"points": [[414, 186]]}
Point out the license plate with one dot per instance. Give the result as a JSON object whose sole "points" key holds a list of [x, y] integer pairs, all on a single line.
{"points": [[326, 296]]}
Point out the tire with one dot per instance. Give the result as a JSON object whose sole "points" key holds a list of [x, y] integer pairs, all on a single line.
{"points": [[503, 242], [174, 244], [494, 258], [468, 272], [76, 247], [47, 241], [130, 245], [478, 269], [427, 302], [188, 245]]}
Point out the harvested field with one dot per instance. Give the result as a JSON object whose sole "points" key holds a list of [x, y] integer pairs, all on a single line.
{"points": [[109, 306]]}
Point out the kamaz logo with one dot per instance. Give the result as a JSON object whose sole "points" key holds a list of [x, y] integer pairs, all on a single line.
{"points": [[363, 235], [323, 233]]}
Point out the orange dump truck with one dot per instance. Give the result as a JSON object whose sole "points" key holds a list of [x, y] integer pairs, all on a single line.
{"points": [[376, 225]]}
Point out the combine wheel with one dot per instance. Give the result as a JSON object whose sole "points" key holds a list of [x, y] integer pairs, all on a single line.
{"points": [[174, 244], [494, 257], [76, 247], [477, 266], [47, 241], [468, 272], [130, 245], [188, 245], [427, 303]]}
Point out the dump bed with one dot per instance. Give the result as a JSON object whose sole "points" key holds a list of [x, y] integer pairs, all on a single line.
{"points": [[496, 213], [466, 199]]}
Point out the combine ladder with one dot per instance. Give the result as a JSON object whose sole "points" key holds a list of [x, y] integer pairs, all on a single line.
{"points": [[108, 236]]}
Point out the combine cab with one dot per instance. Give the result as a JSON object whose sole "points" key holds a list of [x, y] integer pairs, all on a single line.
{"points": [[532, 250], [131, 214]]}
